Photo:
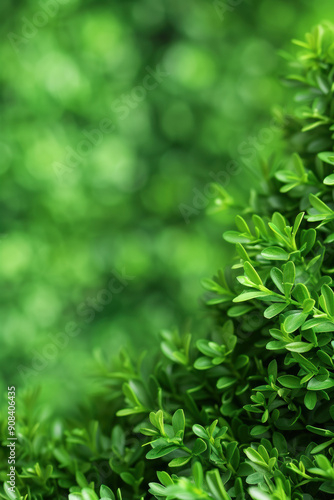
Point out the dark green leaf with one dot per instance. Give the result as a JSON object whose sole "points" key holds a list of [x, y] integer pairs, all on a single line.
{"points": [[161, 451], [237, 311], [199, 447], [310, 400], [178, 422], [289, 381], [203, 363], [224, 382]]}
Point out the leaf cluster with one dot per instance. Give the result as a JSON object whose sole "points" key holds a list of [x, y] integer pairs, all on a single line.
{"points": [[247, 412]]}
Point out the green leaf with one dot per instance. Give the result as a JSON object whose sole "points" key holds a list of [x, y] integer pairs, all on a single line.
{"points": [[130, 394], [260, 224], [258, 430], [281, 236], [149, 432], [301, 292], [233, 454], [157, 420], [130, 411], [322, 82], [320, 384], [275, 345], [252, 274], [318, 322], [279, 221], [320, 206], [236, 311], [157, 489], [81, 480], [308, 305], [319, 430], [280, 443], [128, 478], [275, 253], [298, 164], [299, 346], [289, 381], [242, 224], [313, 125], [289, 273], [180, 461], [224, 382], [241, 361], [165, 478], [216, 486], [277, 277], [288, 187], [310, 400], [200, 446], [286, 176], [197, 471], [329, 180], [106, 492], [250, 296], [297, 223], [178, 422], [321, 447], [161, 451], [330, 238], [274, 309], [327, 157], [305, 363], [14, 495], [329, 299], [203, 363], [242, 252], [235, 237], [200, 431], [308, 238], [259, 494], [88, 494], [294, 321], [327, 487], [208, 348], [254, 456], [323, 463], [272, 369]]}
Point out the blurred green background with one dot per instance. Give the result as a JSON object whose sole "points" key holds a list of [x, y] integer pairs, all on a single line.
{"points": [[71, 66]]}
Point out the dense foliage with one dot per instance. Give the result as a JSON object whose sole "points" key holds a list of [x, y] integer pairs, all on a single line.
{"points": [[247, 412], [63, 236], [65, 230]]}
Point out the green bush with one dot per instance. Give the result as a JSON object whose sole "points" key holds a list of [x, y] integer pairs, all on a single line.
{"points": [[247, 412]]}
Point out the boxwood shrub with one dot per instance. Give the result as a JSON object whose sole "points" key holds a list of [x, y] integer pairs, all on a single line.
{"points": [[246, 413]]}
